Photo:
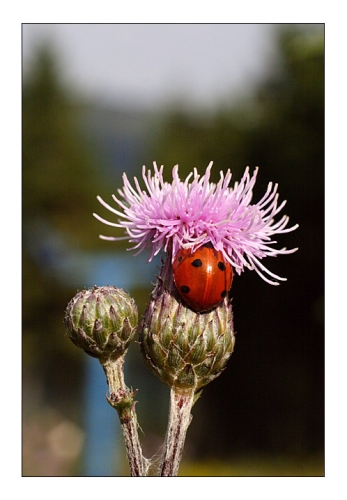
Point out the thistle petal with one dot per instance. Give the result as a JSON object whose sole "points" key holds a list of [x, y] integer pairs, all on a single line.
{"points": [[196, 211]]}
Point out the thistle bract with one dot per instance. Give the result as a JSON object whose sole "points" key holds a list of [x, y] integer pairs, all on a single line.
{"points": [[102, 321]]}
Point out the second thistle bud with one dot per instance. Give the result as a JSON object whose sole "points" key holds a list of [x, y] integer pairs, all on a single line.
{"points": [[102, 321]]}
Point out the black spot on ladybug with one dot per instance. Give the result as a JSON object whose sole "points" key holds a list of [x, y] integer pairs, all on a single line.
{"points": [[208, 245], [197, 263], [221, 266], [180, 258], [185, 289]]}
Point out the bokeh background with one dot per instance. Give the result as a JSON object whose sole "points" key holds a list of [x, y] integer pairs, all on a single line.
{"points": [[100, 100]]}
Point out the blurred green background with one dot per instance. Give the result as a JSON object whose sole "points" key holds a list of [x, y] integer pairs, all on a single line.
{"points": [[265, 414]]}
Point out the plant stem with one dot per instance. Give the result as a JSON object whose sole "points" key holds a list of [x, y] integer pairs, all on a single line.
{"points": [[181, 403], [122, 399]]}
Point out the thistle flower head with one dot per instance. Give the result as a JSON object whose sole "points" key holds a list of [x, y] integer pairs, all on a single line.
{"points": [[190, 213]]}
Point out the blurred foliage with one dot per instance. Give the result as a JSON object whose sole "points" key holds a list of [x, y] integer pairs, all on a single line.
{"points": [[60, 181], [60, 174], [250, 466]]}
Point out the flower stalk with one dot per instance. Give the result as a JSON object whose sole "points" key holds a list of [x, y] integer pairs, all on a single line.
{"points": [[179, 419], [122, 399]]}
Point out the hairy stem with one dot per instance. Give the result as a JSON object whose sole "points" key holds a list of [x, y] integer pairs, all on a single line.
{"points": [[179, 419], [122, 399]]}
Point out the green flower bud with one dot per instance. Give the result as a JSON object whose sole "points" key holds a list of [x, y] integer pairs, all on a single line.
{"points": [[102, 321], [186, 350]]}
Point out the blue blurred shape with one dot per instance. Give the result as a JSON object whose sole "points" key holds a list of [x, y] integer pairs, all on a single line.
{"points": [[102, 452], [77, 268], [122, 270]]}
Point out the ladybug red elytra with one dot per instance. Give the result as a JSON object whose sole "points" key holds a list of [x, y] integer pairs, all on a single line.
{"points": [[202, 278]]}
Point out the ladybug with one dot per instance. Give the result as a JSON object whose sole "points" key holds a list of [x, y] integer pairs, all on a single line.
{"points": [[202, 278]]}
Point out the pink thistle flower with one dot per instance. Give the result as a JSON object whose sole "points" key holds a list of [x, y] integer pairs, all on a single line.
{"points": [[190, 213]]}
